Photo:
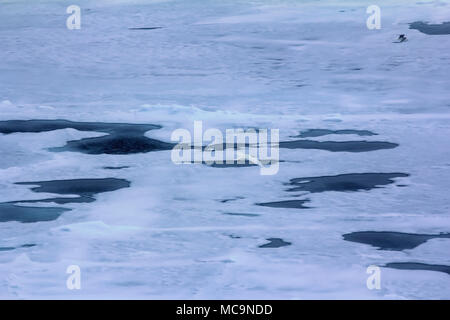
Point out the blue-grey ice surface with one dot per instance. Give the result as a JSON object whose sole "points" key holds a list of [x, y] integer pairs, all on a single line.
{"points": [[292, 65]]}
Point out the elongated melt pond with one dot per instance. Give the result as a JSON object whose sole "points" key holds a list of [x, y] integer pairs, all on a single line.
{"points": [[287, 204], [394, 241], [28, 245], [275, 243], [121, 138], [430, 28], [339, 146], [12, 212], [351, 182], [312, 133], [344, 182], [418, 266], [84, 189]]}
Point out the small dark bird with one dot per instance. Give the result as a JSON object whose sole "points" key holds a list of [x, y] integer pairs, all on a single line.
{"points": [[402, 38]]}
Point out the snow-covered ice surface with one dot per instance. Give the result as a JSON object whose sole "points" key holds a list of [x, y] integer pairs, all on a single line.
{"points": [[292, 65]]}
